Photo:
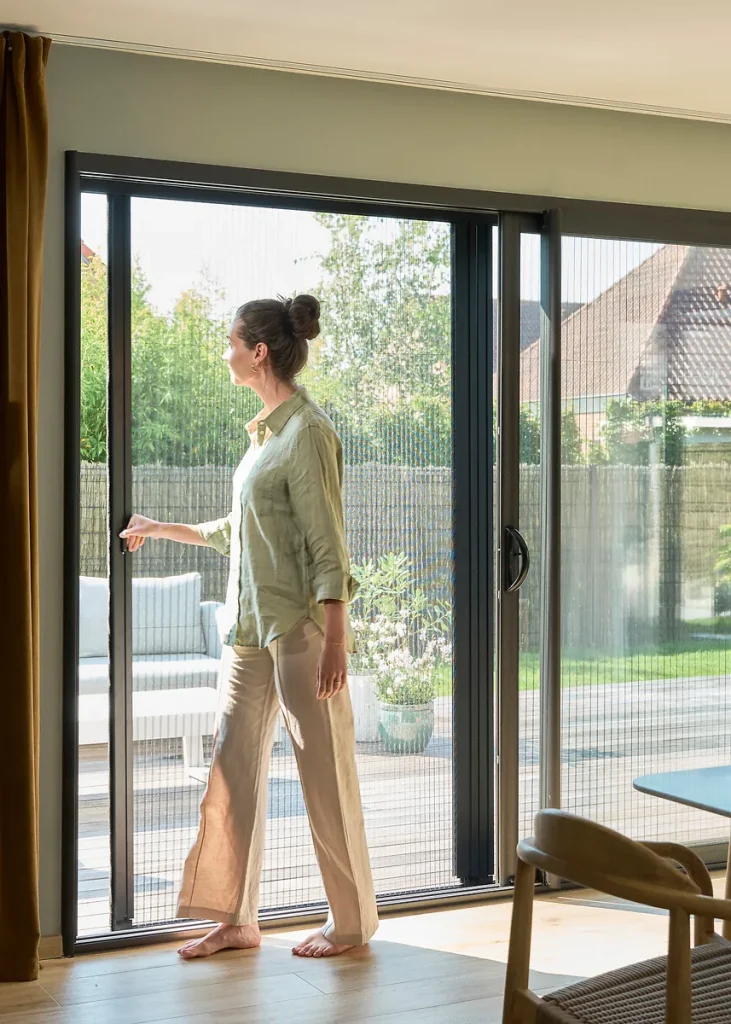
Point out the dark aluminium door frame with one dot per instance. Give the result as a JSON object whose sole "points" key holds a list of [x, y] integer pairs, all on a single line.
{"points": [[119, 419], [473, 213], [472, 357], [507, 640], [473, 569]]}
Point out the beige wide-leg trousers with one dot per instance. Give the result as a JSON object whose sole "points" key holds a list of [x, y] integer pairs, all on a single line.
{"points": [[222, 873]]}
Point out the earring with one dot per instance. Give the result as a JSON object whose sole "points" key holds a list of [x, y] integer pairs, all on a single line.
{"points": [[254, 367]]}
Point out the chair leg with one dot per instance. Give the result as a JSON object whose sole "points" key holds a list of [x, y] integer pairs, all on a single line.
{"points": [[678, 985], [518, 970], [726, 926]]}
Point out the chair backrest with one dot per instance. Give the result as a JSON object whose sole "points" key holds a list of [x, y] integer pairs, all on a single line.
{"points": [[596, 857], [93, 617], [166, 616]]}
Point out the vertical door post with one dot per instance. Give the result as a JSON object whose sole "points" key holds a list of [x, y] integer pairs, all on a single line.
{"points": [[120, 569], [550, 656], [474, 606], [508, 509]]}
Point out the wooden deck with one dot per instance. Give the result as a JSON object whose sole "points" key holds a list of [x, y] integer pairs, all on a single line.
{"points": [[611, 734], [407, 803]]}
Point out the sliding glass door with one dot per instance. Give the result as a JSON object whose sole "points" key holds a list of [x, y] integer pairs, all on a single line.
{"points": [[382, 369], [404, 370], [646, 507], [536, 437]]}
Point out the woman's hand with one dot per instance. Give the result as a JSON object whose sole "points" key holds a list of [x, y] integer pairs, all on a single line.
{"points": [[138, 529], [332, 670]]}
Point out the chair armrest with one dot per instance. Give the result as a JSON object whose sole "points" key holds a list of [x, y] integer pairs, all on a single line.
{"points": [[675, 899], [708, 906], [210, 628], [688, 860], [698, 873]]}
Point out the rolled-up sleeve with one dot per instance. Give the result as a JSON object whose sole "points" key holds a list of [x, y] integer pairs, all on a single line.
{"points": [[315, 486], [217, 534]]}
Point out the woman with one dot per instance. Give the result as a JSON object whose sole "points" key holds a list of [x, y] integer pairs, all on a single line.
{"points": [[285, 634]]}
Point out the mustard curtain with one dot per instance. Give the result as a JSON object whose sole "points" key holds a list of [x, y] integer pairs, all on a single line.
{"points": [[23, 173]]}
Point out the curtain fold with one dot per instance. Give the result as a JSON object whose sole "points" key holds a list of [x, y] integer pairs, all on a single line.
{"points": [[23, 174]]}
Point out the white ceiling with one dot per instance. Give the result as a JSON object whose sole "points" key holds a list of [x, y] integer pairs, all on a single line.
{"points": [[665, 56]]}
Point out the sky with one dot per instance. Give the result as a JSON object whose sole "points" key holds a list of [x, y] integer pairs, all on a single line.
{"points": [[254, 252]]}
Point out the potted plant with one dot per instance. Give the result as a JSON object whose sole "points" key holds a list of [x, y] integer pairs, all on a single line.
{"points": [[406, 685], [375, 580], [402, 644]]}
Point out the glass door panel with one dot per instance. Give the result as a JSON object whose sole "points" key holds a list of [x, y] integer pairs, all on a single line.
{"points": [[403, 367], [646, 507], [530, 525], [93, 878], [382, 369]]}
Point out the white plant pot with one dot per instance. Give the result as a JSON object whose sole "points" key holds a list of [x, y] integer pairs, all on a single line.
{"points": [[280, 731], [365, 708]]}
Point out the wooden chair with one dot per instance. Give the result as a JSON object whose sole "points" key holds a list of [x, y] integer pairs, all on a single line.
{"points": [[663, 875]]}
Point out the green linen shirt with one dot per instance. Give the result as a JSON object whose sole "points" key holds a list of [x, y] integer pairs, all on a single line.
{"points": [[284, 536]]}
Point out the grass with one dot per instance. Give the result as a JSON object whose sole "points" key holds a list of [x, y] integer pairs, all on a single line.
{"points": [[685, 660]]}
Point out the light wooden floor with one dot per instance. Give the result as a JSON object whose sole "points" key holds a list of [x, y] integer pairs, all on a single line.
{"points": [[434, 968]]}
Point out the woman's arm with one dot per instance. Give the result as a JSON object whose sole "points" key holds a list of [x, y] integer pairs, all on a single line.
{"points": [[315, 485], [332, 671], [315, 482], [181, 533], [140, 528], [335, 622]]}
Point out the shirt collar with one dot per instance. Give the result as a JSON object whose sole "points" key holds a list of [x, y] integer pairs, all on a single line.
{"points": [[276, 420], [278, 417]]}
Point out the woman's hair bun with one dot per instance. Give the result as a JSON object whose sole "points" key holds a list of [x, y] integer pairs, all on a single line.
{"points": [[284, 326], [304, 315]]}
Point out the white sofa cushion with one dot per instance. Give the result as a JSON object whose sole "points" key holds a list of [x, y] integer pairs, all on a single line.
{"points": [[93, 617], [152, 672], [166, 615]]}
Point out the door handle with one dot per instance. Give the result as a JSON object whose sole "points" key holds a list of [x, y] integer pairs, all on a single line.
{"points": [[517, 560]]}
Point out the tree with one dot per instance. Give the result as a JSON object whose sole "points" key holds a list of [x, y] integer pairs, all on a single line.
{"points": [[571, 441], [184, 410], [382, 365], [93, 411], [722, 568], [632, 428]]}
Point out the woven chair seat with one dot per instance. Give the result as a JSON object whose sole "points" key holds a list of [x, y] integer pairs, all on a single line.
{"points": [[636, 994]]}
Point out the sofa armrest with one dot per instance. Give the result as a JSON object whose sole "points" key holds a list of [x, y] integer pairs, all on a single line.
{"points": [[210, 627]]}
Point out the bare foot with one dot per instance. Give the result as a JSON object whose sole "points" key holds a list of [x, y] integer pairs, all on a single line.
{"points": [[225, 936], [317, 945]]}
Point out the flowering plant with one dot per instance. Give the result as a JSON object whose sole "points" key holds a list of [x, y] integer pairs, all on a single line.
{"points": [[402, 641]]}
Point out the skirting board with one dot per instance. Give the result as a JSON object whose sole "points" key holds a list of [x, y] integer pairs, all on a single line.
{"points": [[51, 947]]}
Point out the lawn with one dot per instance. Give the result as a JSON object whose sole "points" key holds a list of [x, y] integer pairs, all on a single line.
{"points": [[671, 661]]}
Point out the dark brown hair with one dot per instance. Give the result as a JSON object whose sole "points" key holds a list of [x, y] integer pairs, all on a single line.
{"points": [[284, 326]]}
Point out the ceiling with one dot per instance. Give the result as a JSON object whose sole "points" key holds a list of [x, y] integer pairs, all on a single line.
{"points": [[663, 56]]}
